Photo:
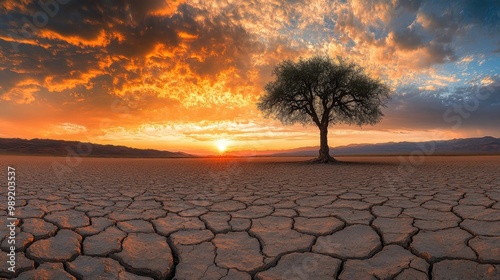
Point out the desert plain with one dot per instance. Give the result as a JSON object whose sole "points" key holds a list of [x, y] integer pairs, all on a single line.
{"points": [[254, 218]]}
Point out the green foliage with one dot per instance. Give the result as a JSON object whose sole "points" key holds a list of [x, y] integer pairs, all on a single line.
{"points": [[323, 91]]}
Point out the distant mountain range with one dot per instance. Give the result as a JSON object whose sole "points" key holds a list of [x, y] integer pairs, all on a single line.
{"points": [[15, 146], [468, 146]]}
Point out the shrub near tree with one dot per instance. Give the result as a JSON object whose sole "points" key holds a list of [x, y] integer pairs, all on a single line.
{"points": [[323, 91]]}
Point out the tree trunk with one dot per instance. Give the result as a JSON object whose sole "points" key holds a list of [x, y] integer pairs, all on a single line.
{"points": [[324, 150]]}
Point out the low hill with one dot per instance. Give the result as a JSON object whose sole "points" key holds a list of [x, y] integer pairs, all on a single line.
{"points": [[47, 147], [468, 146]]}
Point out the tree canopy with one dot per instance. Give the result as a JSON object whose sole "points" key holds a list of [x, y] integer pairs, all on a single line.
{"points": [[324, 91]]}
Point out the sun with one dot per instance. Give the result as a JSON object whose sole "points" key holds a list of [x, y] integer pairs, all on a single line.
{"points": [[221, 145]]}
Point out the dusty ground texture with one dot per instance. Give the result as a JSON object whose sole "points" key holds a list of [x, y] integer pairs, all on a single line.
{"points": [[368, 218]]}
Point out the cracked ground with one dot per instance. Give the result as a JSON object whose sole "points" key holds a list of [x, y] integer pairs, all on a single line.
{"points": [[282, 218]]}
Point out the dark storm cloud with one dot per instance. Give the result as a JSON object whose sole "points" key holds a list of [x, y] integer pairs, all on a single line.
{"points": [[90, 20], [441, 27], [484, 12], [408, 39], [411, 5], [88, 39], [65, 19], [223, 43], [468, 107], [86, 19], [141, 39], [447, 13], [9, 79], [441, 53], [44, 65]]}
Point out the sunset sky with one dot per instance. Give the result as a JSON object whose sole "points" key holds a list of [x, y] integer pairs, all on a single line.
{"points": [[185, 75]]}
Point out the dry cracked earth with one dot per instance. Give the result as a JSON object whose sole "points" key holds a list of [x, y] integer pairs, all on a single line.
{"points": [[367, 218]]}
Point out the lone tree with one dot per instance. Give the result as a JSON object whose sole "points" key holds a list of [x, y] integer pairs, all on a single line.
{"points": [[323, 91]]}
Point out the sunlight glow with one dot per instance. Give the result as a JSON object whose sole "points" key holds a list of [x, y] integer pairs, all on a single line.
{"points": [[222, 145]]}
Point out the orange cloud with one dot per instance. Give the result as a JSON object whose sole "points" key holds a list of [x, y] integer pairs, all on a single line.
{"points": [[100, 40], [22, 93]]}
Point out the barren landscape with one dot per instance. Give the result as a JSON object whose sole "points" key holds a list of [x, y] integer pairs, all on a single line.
{"points": [[255, 218]]}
